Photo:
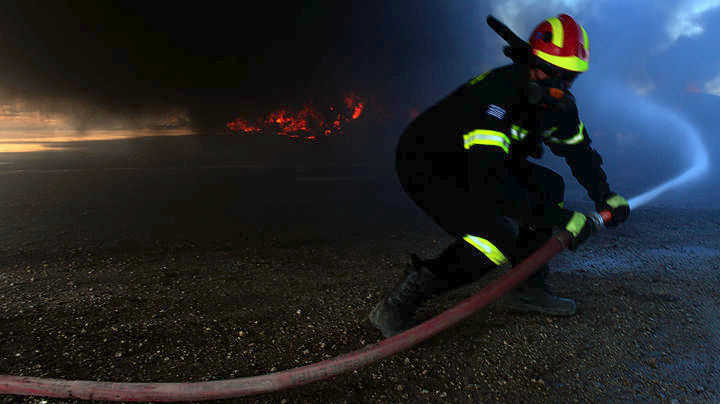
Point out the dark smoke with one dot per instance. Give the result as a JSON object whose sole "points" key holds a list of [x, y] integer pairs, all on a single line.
{"points": [[94, 60]]}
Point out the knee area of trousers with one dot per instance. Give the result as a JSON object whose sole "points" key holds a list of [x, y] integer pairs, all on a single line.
{"points": [[482, 252], [557, 187]]}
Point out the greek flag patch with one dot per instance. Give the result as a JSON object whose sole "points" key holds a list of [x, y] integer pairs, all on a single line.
{"points": [[497, 112]]}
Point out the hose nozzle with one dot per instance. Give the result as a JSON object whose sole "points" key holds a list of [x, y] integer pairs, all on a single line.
{"points": [[599, 219]]}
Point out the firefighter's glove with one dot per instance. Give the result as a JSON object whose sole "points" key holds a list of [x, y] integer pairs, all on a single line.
{"points": [[580, 227], [617, 206]]}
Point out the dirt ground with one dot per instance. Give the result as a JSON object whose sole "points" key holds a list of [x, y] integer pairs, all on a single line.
{"points": [[173, 272]]}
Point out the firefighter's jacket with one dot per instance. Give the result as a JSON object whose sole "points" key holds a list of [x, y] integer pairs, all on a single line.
{"points": [[476, 138]]}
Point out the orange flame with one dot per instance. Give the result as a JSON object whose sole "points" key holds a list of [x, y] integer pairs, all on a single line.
{"points": [[358, 110], [240, 125], [307, 123], [355, 105]]}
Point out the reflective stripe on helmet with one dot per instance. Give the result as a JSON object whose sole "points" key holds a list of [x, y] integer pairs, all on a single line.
{"points": [[561, 42], [572, 63], [558, 35], [487, 248], [488, 138], [586, 41]]}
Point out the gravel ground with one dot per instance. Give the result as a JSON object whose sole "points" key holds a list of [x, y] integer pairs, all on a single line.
{"points": [[196, 273]]}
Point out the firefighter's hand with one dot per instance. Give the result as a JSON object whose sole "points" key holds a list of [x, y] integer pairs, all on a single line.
{"points": [[617, 206], [580, 227]]}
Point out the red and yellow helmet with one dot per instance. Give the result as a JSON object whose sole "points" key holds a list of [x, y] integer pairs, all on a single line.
{"points": [[561, 42]]}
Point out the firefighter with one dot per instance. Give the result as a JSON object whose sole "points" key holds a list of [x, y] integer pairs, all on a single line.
{"points": [[464, 161]]}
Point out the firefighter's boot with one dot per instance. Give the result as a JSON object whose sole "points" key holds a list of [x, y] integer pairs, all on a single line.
{"points": [[396, 312], [533, 296]]}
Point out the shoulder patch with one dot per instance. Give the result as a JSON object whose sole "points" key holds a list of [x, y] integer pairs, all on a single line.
{"points": [[496, 111]]}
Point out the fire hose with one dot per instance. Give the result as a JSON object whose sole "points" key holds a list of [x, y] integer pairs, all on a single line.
{"points": [[247, 386]]}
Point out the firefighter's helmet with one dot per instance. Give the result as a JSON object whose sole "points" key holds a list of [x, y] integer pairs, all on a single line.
{"points": [[561, 42]]}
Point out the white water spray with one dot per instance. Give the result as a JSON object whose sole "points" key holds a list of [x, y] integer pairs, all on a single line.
{"points": [[613, 95], [700, 164]]}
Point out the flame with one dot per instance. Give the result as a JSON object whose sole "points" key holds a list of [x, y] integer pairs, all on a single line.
{"points": [[307, 123], [240, 125], [358, 110], [355, 105], [287, 123]]}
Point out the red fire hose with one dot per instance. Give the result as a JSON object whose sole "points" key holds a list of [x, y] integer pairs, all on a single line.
{"points": [[247, 386]]}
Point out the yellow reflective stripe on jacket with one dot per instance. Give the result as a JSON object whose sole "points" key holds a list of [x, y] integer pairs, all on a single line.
{"points": [[487, 248], [518, 133], [576, 223], [479, 78], [549, 132], [487, 137], [577, 138]]}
